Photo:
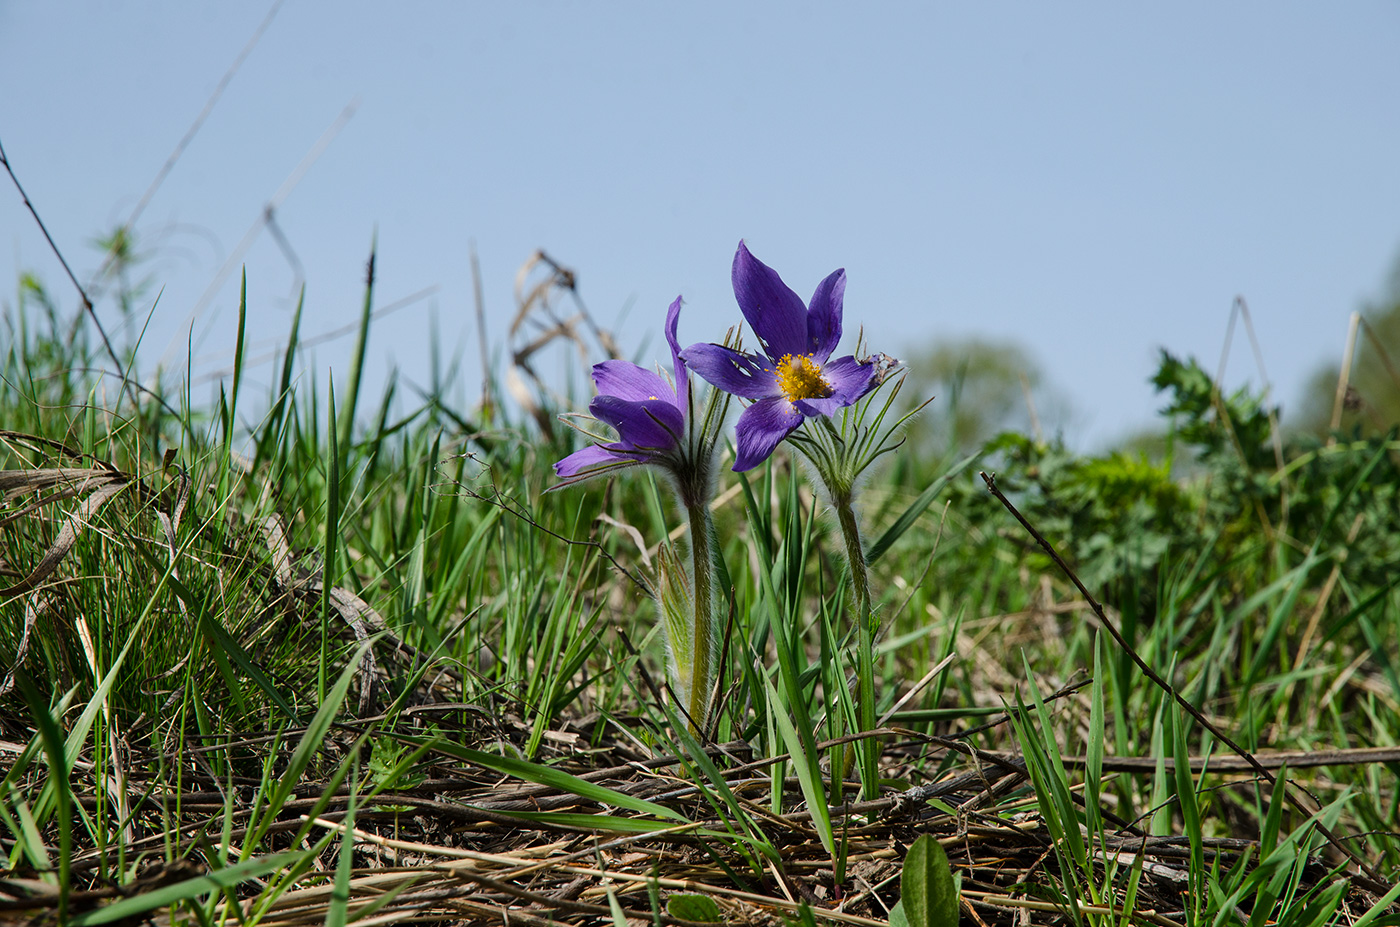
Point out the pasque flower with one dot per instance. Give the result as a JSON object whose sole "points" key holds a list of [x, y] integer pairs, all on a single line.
{"points": [[658, 425], [646, 411], [794, 377]]}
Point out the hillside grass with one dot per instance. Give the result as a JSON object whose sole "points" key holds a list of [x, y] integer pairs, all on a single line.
{"points": [[297, 657]]}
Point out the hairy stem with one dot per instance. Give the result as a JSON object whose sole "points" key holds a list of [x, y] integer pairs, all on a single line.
{"points": [[702, 668], [865, 642]]}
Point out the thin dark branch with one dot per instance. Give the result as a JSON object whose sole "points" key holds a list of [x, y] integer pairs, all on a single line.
{"points": [[198, 123], [1069, 689], [188, 137], [1367, 873], [101, 372], [269, 209], [87, 303]]}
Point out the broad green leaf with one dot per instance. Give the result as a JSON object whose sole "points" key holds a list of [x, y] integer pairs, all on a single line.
{"points": [[927, 893], [687, 907]]}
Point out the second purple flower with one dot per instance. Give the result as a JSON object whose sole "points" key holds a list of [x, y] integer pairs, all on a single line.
{"points": [[648, 414]]}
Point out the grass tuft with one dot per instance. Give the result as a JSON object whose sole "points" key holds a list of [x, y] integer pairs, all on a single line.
{"points": [[299, 660]]}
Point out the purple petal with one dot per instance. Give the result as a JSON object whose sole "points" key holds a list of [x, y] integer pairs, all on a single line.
{"points": [[762, 426], [849, 378], [828, 406], [824, 316], [654, 424], [628, 381], [589, 458], [774, 312], [673, 316], [747, 376]]}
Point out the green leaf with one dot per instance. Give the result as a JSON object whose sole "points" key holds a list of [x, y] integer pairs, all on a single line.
{"points": [[619, 917], [718, 793], [897, 917], [52, 739], [1381, 907], [928, 896], [338, 914], [346, 415], [1093, 748], [700, 908], [1273, 820], [229, 647]]}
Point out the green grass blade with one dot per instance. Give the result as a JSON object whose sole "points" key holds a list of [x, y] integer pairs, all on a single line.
{"points": [[1380, 909], [805, 764], [307, 747], [338, 913], [916, 508], [238, 358], [216, 881], [357, 357], [558, 779], [52, 739]]}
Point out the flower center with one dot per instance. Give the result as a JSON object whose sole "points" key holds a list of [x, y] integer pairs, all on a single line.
{"points": [[800, 377]]}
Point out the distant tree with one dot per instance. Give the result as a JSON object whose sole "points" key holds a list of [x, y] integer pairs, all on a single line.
{"points": [[1371, 404], [981, 387]]}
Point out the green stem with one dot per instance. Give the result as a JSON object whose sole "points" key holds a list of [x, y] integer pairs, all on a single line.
{"points": [[869, 748], [702, 669]]}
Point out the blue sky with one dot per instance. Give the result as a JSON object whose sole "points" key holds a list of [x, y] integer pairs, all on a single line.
{"points": [[1095, 181]]}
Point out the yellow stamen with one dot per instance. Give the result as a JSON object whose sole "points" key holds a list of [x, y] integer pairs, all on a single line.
{"points": [[800, 377]]}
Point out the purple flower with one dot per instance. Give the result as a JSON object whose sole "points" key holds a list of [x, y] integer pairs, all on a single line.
{"points": [[645, 410], [794, 377]]}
